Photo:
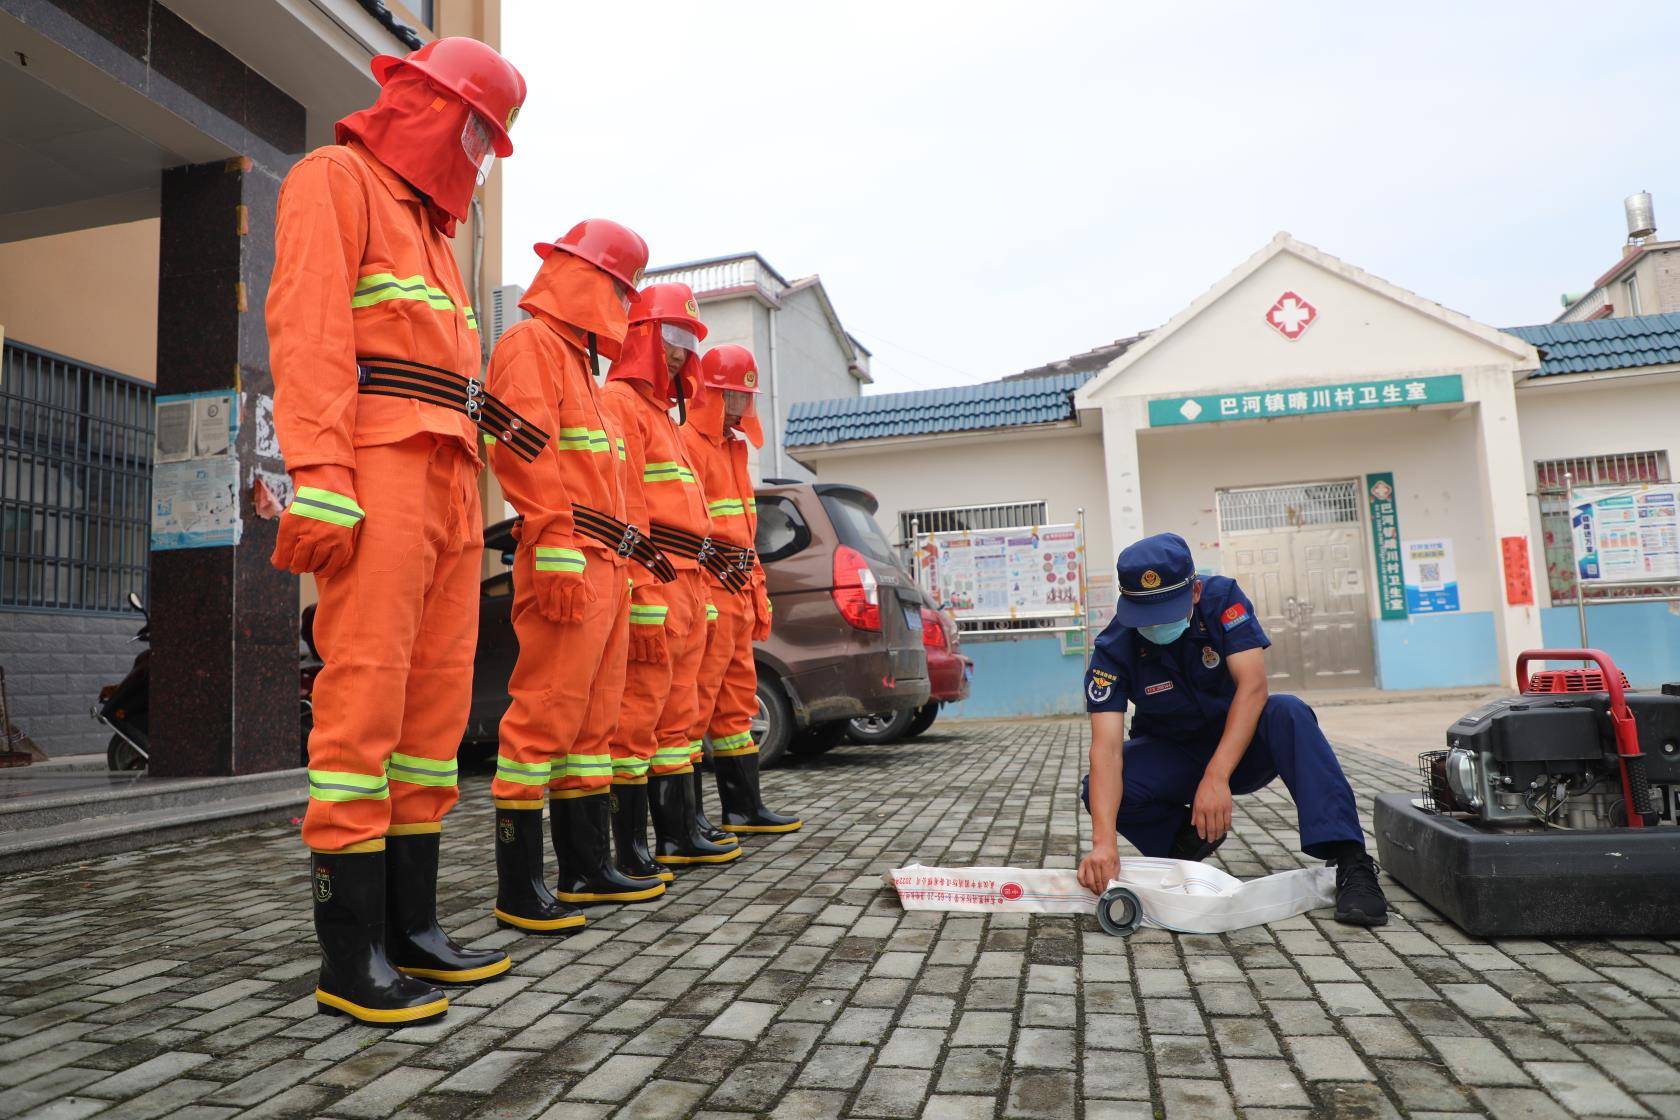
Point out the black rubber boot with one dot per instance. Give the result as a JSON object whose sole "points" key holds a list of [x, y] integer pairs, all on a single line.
{"points": [[1188, 844], [357, 978], [413, 939], [1359, 897], [676, 841], [583, 846], [523, 900], [704, 826], [743, 804], [629, 823]]}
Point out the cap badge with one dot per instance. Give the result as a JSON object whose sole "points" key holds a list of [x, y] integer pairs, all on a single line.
{"points": [[750, 378], [513, 115], [692, 307], [1151, 579]]}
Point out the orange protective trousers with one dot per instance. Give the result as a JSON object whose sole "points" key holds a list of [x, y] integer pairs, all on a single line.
{"points": [[727, 693], [658, 707], [396, 628], [564, 686]]}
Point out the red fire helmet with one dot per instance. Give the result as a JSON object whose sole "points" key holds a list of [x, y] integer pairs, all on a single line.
{"points": [[472, 71], [670, 302], [616, 250], [729, 367]]}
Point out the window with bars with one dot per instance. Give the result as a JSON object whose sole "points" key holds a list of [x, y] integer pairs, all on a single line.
{"points": [[75, 483], [1629, 468], [955, 519], [1270, 508]]}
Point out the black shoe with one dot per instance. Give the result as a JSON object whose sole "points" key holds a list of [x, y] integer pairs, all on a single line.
{"points": [[629, 824], [1359, 897], [523, 900], [704, 826], [583, 847], [743, 804], [1188, 844], [676, 840], [357, 978], [413, 940]]}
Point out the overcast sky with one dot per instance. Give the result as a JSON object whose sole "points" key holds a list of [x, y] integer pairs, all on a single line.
{"points": [[986, 187]]}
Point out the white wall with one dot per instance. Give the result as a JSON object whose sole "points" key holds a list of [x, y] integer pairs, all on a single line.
{"points": [[1432, 454]]}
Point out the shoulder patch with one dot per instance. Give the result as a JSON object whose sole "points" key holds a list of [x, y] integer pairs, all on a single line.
{"points": [[1099, 691], [1234, 615]]}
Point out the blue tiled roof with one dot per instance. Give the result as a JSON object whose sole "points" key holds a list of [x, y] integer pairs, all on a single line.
{"points": [[968, 408], [1601, 344]]}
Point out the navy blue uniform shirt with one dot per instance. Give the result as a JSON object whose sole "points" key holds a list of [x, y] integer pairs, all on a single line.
{"points": [[1181, 690]]}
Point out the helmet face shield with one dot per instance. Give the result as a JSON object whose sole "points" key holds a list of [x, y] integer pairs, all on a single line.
{"points": [[738, 403], [478, 145], [680, 337]]}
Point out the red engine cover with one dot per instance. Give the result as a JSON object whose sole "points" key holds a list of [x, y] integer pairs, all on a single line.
{"points": [[1570, 680]]}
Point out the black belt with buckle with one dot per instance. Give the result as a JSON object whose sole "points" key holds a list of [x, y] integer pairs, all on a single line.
{"points": [[626, 540], [397, 377], [729, 564]]}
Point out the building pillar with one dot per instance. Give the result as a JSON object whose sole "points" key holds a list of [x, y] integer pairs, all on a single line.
{"points": [[1499, 459], [224, 623], [1122, 419]]}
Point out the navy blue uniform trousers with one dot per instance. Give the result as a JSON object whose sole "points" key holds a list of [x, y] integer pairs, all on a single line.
{"points": [[1160, 777]]}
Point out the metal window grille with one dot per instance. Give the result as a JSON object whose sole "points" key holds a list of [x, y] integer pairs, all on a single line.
{"points": [[1268, 509], [1631, 468], [75, 483], [955, 519]]}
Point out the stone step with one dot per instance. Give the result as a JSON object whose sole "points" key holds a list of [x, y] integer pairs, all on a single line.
{"points": [[126, 797]]}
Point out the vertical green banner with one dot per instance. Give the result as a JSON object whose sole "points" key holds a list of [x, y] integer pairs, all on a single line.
{"points": [[1385, 539]]}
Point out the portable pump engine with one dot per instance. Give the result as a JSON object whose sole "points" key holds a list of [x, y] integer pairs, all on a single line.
{"points": [[1553, 812]]}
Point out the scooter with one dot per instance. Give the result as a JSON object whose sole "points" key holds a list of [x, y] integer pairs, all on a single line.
{"points": [[124, 707]]}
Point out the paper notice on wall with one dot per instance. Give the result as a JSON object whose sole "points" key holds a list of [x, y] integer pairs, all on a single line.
{"points": [[195, 475], [1431, 580], [1626, 534], [1031, 572]]}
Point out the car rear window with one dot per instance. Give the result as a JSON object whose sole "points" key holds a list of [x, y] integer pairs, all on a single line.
{"points": [[856, 527]]}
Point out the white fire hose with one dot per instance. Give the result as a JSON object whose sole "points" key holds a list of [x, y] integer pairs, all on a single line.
{"points": [[1170, 894]]}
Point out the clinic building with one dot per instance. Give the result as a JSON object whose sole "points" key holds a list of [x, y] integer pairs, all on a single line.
{"points": [[1384, 476]]}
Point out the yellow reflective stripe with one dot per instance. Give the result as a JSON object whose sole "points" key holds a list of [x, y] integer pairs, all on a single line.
{"points": [[523, 773], [641, 615], [731, 742], [325, 505], [472, 318], [619, 442], [588, 765], [417, 771], [671, 756], [489, 440], [666, 472], [711, 612], [726, 507], [559, 559], [631, 767], [582, 439], [377, 287], [345, 785]]}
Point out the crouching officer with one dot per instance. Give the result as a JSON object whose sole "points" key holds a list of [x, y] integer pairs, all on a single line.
{"points": [[1189, 655]]}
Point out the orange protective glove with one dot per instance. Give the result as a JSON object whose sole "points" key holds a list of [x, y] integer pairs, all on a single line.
{"points": [[318, 530], [558, 584], [761, 615], [647, 632]]}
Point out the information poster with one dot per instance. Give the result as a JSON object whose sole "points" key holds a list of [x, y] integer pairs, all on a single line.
{"points": [[1385, 540], [1006, 573], [1431, 579], [1626, 534], [195, 476]]}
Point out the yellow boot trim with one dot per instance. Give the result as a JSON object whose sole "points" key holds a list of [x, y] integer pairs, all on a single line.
{"points": [[509, 803], [629, 896], [460, 976], [540, 924], [793, 827], [419, 828], [377, 844], [727, 841], [678, 861], [376, 1015]]}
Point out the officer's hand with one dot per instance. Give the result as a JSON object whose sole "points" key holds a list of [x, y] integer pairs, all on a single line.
{"points": [[1100, 867], [1211, 811], [558, 583], [318, 530], [761, 615]]}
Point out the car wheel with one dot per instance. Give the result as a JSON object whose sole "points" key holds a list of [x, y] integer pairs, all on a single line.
{"points": [[819, 739], [882, 727], [120, 755], [925, 716], [772, 724]]}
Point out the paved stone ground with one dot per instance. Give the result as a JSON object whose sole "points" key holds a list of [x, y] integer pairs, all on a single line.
{"points": [[176, 982]]}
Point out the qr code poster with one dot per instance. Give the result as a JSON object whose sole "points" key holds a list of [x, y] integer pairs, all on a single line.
{"points": [[1431, 580]]}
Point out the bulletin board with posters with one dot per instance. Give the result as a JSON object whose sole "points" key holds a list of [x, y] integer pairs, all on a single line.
{"points": [[1034, 572], [1626, 534]]}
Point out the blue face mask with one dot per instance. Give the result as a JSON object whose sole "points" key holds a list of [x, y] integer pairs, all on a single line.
{"points": [[1166, 633]]}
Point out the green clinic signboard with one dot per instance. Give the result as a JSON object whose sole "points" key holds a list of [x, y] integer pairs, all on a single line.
{"points": [[1385, 539], [1309, 400]]}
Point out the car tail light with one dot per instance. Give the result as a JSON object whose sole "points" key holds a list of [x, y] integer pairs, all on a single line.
{"points": [[856, 591], [933, 631]]}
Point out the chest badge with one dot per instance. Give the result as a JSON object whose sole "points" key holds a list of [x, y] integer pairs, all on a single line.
{"points": [[1164, 686], [1210, 657]]}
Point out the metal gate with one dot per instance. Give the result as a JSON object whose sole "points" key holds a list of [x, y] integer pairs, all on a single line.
{"points": [[1299, 553]]}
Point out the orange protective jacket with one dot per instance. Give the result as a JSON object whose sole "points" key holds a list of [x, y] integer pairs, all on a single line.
{"points": [[719, 458], [360, 273], [656, 470], [541, 370]]}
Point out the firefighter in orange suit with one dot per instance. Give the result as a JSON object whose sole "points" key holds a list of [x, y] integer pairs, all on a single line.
{"points": [[667, 622], [720, 424], [571, 603], [375, 353]]}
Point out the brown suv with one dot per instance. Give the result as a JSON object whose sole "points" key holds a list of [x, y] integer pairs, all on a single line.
{"points": [[846, 640]]}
